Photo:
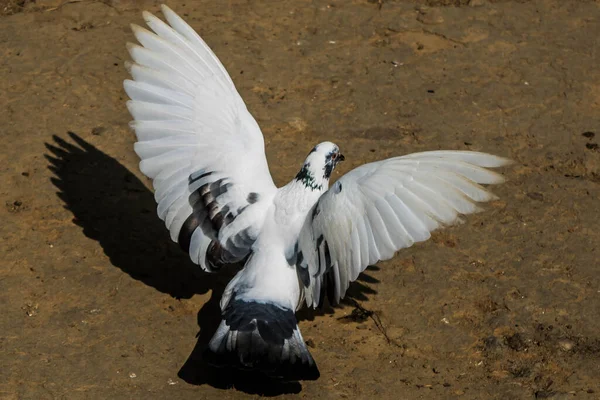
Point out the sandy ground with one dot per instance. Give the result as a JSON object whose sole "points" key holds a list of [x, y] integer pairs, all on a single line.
{"points": [[98, 304]]}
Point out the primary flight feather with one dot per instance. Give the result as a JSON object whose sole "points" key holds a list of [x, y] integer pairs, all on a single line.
{"points": [[205, 154]]}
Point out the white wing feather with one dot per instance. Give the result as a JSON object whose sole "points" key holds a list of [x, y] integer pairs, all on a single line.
{"points": [[379, 208], [189, 119]]}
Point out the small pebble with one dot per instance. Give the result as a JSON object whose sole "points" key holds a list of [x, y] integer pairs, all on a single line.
{"points": [[430, 17], [535, 196], [98, 130], [566, 344]]}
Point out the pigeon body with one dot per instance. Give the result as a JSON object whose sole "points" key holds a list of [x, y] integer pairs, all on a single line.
{"points": [[301, 242]]}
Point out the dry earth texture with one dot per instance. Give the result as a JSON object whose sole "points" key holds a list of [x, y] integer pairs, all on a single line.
{"points": [[98, 304]]}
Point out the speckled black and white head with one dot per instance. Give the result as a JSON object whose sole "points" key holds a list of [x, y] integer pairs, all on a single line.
{"points": [[319, 165]]}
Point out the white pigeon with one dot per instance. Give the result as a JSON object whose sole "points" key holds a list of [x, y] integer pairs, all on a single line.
{"points": [[205, 154]]}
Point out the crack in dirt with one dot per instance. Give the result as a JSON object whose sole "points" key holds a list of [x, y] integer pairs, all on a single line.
{"points": [[361, 313]]}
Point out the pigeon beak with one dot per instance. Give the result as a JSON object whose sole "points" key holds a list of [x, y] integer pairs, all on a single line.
{"points": [[341, 157]]}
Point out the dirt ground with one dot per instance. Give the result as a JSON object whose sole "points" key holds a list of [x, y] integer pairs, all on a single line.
{"points": [[98, 304]]}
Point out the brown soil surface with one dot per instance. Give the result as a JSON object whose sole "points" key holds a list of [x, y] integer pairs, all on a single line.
{"points": [[98, 304]]}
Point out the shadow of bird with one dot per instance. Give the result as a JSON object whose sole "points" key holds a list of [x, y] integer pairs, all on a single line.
{"points": [[116, 209]]}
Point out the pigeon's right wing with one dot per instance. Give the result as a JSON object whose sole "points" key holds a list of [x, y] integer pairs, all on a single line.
{"points": [[379, 208], [197, 141]]}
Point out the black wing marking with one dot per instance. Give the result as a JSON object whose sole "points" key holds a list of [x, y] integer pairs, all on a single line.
{"points": [[325, 269], [210, 214]]}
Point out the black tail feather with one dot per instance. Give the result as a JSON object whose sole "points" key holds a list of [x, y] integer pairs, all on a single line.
{"points": [[264, 337]]}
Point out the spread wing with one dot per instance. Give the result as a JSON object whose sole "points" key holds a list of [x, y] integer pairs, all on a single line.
{"points": [[379, 208], [197, 142]]}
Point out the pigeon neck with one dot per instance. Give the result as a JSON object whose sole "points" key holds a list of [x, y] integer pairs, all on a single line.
{"points": [[310, 180]]}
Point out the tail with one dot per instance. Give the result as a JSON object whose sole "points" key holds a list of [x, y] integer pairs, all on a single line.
{"points": [[264, 337]]}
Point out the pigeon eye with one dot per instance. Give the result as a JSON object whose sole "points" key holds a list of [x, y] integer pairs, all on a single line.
{"points": [[334, 156]]}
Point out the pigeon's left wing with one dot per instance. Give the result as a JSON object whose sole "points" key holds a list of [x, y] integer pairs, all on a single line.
{"points": [[197, 141], [381, 207]]}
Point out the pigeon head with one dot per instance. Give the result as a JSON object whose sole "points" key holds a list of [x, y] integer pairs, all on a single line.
{"points": [[318, 166]]}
